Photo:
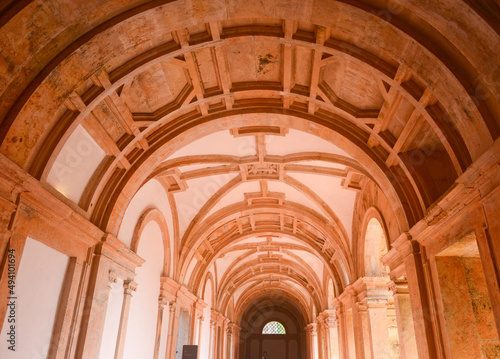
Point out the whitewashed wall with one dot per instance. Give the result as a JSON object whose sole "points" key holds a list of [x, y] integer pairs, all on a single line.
{"points": [[37, 289], [141, 328]]}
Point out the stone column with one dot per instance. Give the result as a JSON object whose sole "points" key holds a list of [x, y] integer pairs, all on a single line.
{"points": [[229, 341], [235, 340], [364, 335], [393, 329], [162, 302], [197, 322], [313, 340], [379, 328], [111, 259], [129, 287], [410, 251], [308, 344], [201, 318], [332, 334], [404, 318], [173, 328], [373, 298], [224, 337], [211, 343], [341, 331], [95, 308], [322, 350]]}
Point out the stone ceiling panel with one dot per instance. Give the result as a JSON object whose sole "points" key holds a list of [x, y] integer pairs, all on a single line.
{"points": [[199, 191], [219, 143], [154, 88], [329, 189], [297, 141]]}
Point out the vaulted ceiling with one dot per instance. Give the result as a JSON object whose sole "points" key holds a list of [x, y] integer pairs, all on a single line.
{"points": [[253, 127]]}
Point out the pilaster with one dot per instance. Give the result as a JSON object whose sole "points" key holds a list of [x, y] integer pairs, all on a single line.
{"points": [[129, 287], [404, 318]]}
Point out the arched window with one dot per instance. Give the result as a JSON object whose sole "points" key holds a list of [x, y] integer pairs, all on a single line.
{"points": [[273, 328]]}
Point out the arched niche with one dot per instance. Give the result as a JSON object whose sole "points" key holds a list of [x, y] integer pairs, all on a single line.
{"points": [[156, 216], [331, 293], [142, 321], [375, 244]]}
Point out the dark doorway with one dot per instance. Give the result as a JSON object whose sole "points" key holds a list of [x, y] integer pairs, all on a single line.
{"points": [[275, 326]]}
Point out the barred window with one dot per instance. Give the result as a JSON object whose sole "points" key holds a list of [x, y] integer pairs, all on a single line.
{"points": [[274, 328]]}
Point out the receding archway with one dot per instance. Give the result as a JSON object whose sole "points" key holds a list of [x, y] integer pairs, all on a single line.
{"points": [[257, 336]]}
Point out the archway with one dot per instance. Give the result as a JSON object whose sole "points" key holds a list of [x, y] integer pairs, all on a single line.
{"points": [[274, 325]]}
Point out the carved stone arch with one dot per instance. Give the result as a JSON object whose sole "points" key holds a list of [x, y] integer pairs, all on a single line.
{"points": [[372, 217], [389, 181], [258, 294], [154, 215], [208, 278]]}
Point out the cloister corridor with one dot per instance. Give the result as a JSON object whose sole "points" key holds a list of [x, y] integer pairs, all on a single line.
{"points": [[235, 179]]}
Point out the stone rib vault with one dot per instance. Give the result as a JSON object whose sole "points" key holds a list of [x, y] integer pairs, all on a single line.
{"points": [[190, 172]]}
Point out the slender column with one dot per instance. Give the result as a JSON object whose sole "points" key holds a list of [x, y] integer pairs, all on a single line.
{"points": [[321, 338], [223, 339], [313, 340], [229, 341], [129, 287], [341, 331], [358, 318], [314, 337], [211, 343], [162, 302], [236, 340], [404, 319], [308, 343], [200, 327], [173, 327]]}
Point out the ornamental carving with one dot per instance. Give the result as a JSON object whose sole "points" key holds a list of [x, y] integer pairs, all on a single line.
{"points": [[263, 169]]}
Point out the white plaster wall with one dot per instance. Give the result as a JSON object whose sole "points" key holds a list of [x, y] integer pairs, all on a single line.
{"points": [[141, 328], [236, 195], [220, 143], [75, 165], [151, 195], [190, 269], [112, 321], [37, 288], [199, 191], [293, 195], [329, 189], [164, 333], [298, 141]]}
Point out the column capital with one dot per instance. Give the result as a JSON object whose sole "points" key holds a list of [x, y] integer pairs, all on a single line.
{"points": [[372, 291], [312, 328], [162, 301], [399, 286], [129, 286], [328, 317], [112, 278], [173, 306], [235, 327]]}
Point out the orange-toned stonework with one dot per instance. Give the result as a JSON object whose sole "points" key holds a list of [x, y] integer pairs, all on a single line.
{"points": [[183, 172]]}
